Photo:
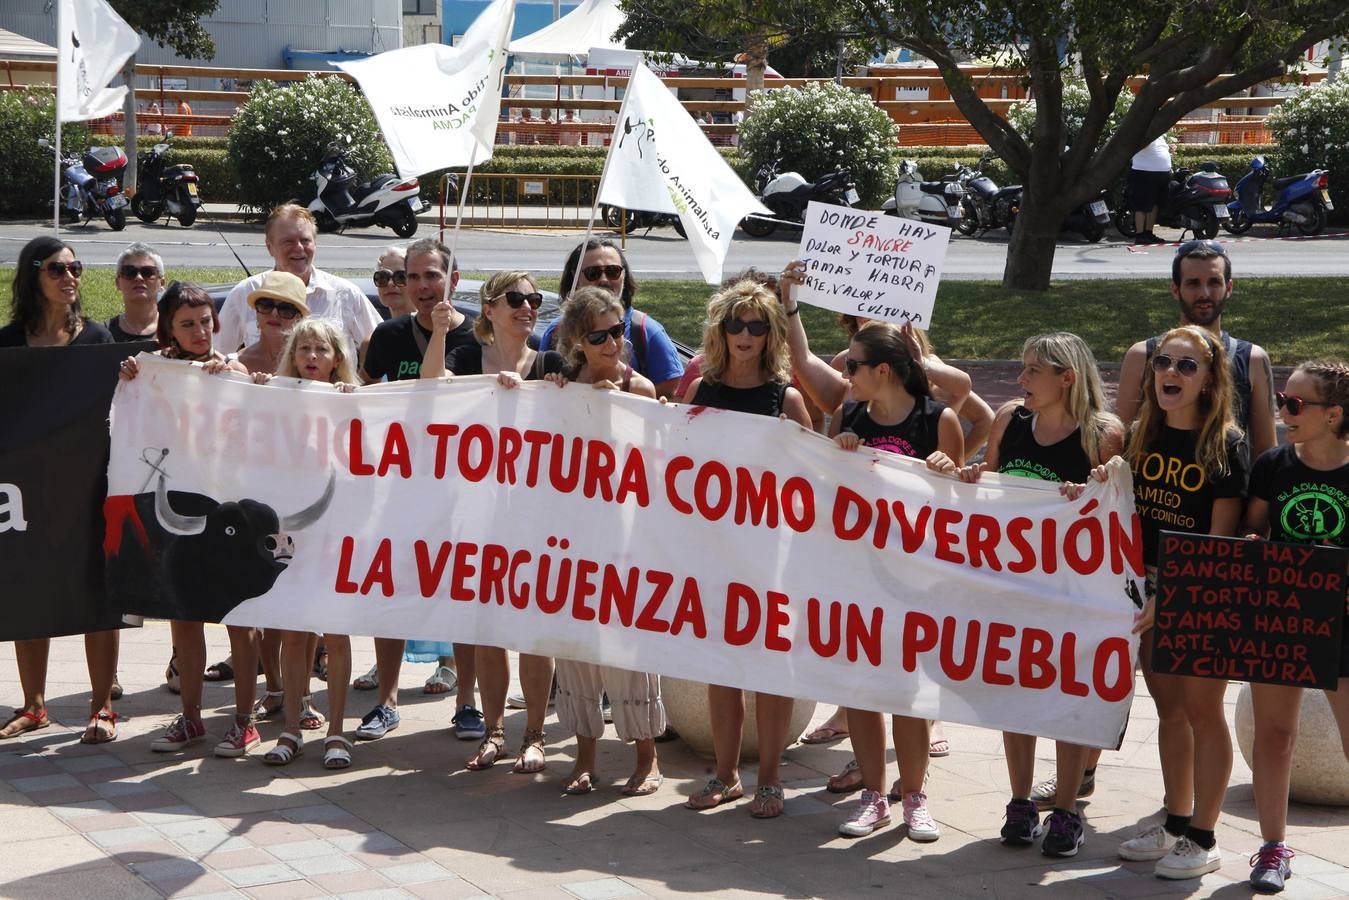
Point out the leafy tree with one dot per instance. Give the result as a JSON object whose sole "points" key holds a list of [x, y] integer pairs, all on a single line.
{"points": [[1191, 53], [169, 23]]}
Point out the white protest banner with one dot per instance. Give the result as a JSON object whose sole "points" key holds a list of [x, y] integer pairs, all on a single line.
{"points": [[595, 525], [660, 160], [92, 44], [868, 264], [438, 106]]}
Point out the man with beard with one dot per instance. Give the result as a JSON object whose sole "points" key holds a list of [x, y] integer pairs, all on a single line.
{"points": [[1201, 282]]}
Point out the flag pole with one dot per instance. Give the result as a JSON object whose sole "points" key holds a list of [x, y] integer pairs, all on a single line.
{"points": [[463, 196], [595, 201], [56, 186]]}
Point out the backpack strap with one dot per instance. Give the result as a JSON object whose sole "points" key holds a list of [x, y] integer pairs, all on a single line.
{"points": [[637, 336]]}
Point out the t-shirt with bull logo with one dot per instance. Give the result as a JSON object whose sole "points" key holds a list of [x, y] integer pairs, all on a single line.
{"points": [[1173, 492], [916, 436]]}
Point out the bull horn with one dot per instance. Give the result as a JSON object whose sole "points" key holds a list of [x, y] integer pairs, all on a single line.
{"points": [[173, 522], [309, 515]]}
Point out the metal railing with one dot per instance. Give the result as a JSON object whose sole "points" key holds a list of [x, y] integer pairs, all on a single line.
{"points": [[514, 200]]}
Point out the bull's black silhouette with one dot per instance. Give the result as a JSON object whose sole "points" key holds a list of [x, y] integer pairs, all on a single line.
{"points": [[179, 555]]}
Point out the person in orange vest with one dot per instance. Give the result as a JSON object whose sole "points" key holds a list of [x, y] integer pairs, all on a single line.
{"points": [[184, 110]]}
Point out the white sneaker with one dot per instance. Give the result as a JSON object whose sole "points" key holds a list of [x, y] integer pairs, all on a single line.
{"points": [[1151, 843], [1188, 860], [922, 828]]}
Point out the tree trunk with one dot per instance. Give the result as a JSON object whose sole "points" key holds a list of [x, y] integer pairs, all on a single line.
{"points": [[756, 61], [1030, 253], [129, 112]]}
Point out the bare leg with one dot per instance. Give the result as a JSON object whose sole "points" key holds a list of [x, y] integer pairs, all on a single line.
{"points": [[466, 666], [585, 762], [1339, 705], [646, 762], [494, 674], [389, 665], [100, 653], [536, 680], [190, 640], [1276, 708], [1212, 765], [726, 705], [339, 676], [269, 652], [1020, 752], [772, 718], [296, 661], [1175, 740], [912, 737], [32, 658], [1070, 760], [867, 729], [244, 649]]}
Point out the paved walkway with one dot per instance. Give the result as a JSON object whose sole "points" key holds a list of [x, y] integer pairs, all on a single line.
{"points": [[409, 821]]}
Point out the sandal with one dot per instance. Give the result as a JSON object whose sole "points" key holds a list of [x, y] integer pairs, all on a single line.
{"points": [[320, 670], [581, 784], [939, 748], [896, 795], [24, 721], [367, 682], [847, 781], [283, 754], [336, 752], [714, 794], [524, 765], [116, 692], [262, 712], [310, 719], [221, 671], [825, 734], [768, 802], [442, 681], [97, 733], [172, 680], [489, 750], [646, 787]]}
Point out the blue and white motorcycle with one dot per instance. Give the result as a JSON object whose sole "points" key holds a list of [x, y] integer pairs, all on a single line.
{"points": [[1302, 201]]}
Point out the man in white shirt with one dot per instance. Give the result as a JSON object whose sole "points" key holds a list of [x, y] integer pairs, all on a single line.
{"points": [[290, 234]]}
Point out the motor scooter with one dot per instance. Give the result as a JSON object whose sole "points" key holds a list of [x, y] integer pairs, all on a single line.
{"points": [[788, 194], [1195, 201], [164, 188], [90, 184], [935, 202], [340, 202], [628, 221], [1303, 201]]}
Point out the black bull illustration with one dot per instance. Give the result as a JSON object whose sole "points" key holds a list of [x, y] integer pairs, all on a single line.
{"points": [[178, 555]]}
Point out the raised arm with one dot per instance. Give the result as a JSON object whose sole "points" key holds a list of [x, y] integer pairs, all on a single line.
{"points": [[433, 362], [821, 382]]}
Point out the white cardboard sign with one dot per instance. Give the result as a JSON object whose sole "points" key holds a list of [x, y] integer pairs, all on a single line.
{"points": [[869, 264]]}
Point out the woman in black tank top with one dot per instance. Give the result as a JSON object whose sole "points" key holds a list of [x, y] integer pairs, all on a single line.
{"points": [[893, 410], [1059, 431], [745, 368]]}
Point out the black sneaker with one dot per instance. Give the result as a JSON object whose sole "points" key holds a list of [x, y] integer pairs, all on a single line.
{"points": [[1023, 824], [1063, 834]]}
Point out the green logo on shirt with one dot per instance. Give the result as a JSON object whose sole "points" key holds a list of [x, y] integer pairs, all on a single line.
{"points": [[1312, 513]]}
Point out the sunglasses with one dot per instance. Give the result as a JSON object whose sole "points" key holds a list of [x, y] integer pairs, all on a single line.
{"points": [[384, 276], [610, 273], [1189, 247], [852, 365], [267, 306], [598, 338], [1294, 404], [1184, 365], [146, 272], [757, 328], [515, 299], [59, 269]]}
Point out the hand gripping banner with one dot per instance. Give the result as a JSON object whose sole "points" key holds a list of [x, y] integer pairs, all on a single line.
{"points": [[598, 526]]}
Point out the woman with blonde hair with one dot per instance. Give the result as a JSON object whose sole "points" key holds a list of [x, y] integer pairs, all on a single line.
{"points": [[510, 310], [1058, 431], [746, 368], [590, 338]]}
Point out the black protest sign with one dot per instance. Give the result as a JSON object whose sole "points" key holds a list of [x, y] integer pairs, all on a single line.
{"points": [[53, 478], [1249, 610]]}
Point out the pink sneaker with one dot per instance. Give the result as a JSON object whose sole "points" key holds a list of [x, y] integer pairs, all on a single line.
{"points": [[238, 741], [182, 732], [873, 811], [919, 821]]}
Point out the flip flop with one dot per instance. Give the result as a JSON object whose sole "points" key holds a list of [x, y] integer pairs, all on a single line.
{"points": [[939, 748], [825, 734], [718, 789], [847, 781], [442, 681], [650, 784], [580, 785]]}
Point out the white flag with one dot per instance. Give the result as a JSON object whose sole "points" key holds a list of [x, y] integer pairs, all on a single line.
{"points": [[92, 46], [660, 160], [438, 104]]}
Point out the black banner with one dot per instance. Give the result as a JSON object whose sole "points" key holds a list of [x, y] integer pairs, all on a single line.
{"points": [[1249, 610], [54, 405]]}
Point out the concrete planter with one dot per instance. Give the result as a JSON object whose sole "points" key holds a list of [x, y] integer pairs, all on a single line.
{"points": [[686, 709], [1320, 773]]}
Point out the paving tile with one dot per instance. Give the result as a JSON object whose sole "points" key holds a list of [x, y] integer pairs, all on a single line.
{"points": [[76, 794], [449, 889], [105, 822], [601, 889], [287, 890], [322, 812], [114, 789], [199, 887], [374, 842], [167, 815], [350, 882], [333, 863], [412, 873], [90, 763], [120, 837], [108, 881], [378, 894], [237, 859], [140, 802], [270, 832], [300, 849], [250, 876], [27, 823], [165, 869], [35, 783], [147, 851], [71, 811], [206, 844]]}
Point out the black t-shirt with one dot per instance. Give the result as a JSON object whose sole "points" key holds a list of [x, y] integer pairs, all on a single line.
{"points": [[916, 436], [1306, 506], [395, 353], [764, 400], [125, 337], [467, 360], [92, 333], [1172, 492], [1020, 454]]}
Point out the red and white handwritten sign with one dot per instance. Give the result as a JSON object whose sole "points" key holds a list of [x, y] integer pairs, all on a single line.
{"points": [[594, 525], [872, 265]]}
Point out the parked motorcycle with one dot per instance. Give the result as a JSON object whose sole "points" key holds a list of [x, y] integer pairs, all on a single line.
{"points": [[164, 188], [1303, 200], [984, 205], [1195, 201], [340, 202], [90, 186], [615, 218], [936, 202], [787, 195]]}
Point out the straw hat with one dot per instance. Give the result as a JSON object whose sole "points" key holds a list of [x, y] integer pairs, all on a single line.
{"points": [[281, 286]]}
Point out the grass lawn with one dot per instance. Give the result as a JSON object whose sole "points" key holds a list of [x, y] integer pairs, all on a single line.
{"points": [[1295, 319]]}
